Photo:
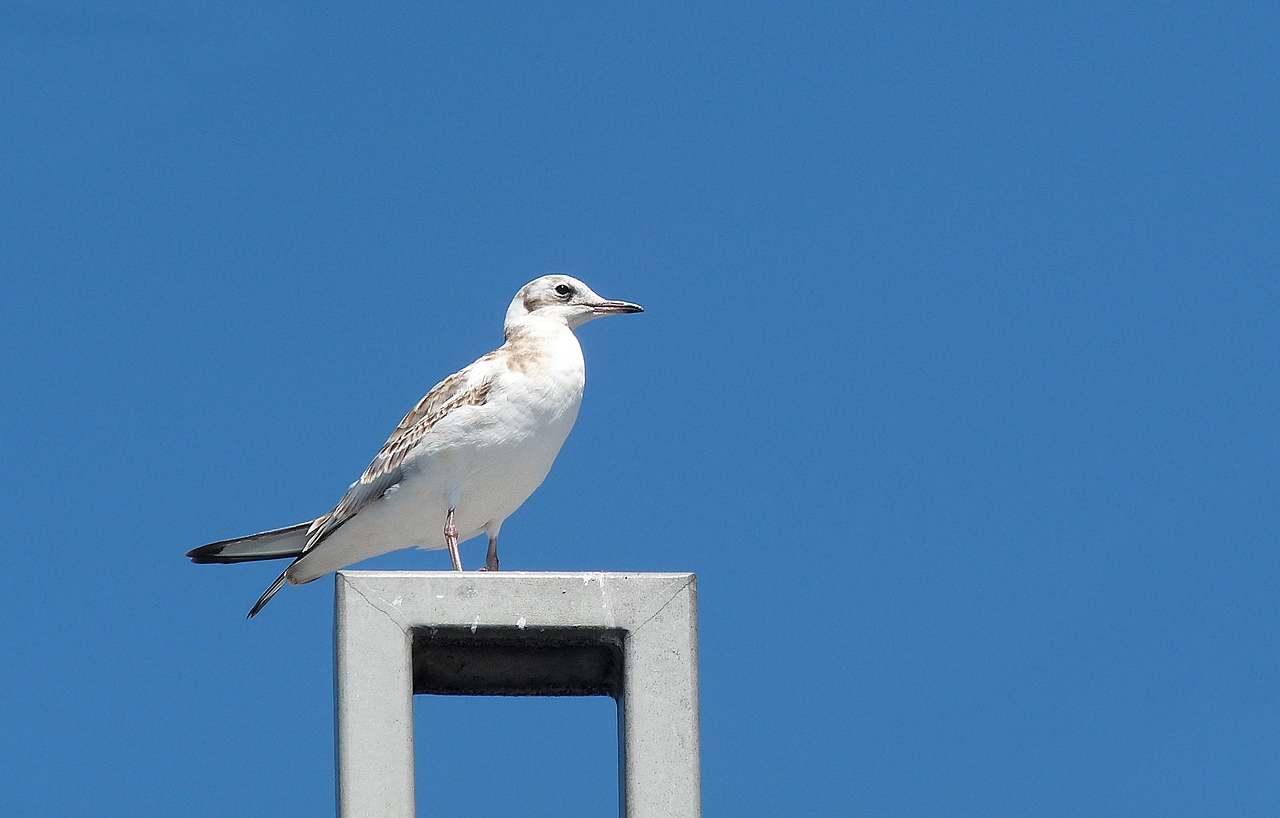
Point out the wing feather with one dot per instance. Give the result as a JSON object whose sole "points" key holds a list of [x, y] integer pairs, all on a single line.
{"points": [[386, 470]]}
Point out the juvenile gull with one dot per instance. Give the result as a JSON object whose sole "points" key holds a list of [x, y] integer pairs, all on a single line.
{"points": [[467, 456]]}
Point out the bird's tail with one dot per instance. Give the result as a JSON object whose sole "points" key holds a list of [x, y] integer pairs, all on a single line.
{"points": [[283, 543], [269, 545]]}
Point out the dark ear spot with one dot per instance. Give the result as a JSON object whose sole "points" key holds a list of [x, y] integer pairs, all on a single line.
{"points": [[529, 303]]}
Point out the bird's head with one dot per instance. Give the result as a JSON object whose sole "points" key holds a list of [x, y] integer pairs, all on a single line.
{"points": [[564, 299]]}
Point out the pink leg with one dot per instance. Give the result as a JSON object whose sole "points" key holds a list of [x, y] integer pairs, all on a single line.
{"points": [[491, 561], [451, 540]]}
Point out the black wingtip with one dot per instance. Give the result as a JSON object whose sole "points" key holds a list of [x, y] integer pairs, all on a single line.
{"points": [[265, 598], [282, 543], [207, 554]]}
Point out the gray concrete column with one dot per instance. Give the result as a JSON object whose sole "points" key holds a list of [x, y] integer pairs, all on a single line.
{"points": [[630, 636], [373, 698]]}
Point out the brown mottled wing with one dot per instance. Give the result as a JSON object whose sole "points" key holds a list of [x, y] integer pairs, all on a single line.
{"points": [[385, 470]]}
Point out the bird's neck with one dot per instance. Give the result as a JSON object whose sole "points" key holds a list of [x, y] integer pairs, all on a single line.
{"points": [[536, 329], [548, 348]]}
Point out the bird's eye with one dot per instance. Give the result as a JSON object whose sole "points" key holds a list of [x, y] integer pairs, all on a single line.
{"points": [[564, 290]]}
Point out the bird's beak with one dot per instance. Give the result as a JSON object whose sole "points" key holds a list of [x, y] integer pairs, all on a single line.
{"points": [[615, 308]]}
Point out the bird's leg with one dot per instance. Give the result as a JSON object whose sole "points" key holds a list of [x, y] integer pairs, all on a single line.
{"points": [[451, 540], [491, 561]]}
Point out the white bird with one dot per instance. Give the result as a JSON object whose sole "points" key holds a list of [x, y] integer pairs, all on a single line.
{"points": [[467, 456]]}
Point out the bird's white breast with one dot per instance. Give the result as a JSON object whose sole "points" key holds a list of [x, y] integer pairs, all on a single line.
{"points": [[490, 458]]}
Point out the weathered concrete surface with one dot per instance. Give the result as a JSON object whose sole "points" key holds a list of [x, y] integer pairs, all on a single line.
{"points": [[630, 636]]}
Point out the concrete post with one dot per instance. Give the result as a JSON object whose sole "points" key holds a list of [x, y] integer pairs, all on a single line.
{"points": [[630, 636]]}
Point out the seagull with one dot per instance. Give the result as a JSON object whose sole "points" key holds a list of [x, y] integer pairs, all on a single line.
{"points": [[467, 456]]}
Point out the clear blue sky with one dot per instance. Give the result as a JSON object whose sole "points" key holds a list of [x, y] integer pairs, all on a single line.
{"points": [[957, 387]]}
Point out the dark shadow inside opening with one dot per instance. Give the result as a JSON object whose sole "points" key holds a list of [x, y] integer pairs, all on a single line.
{"points": [[513, 661]]}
